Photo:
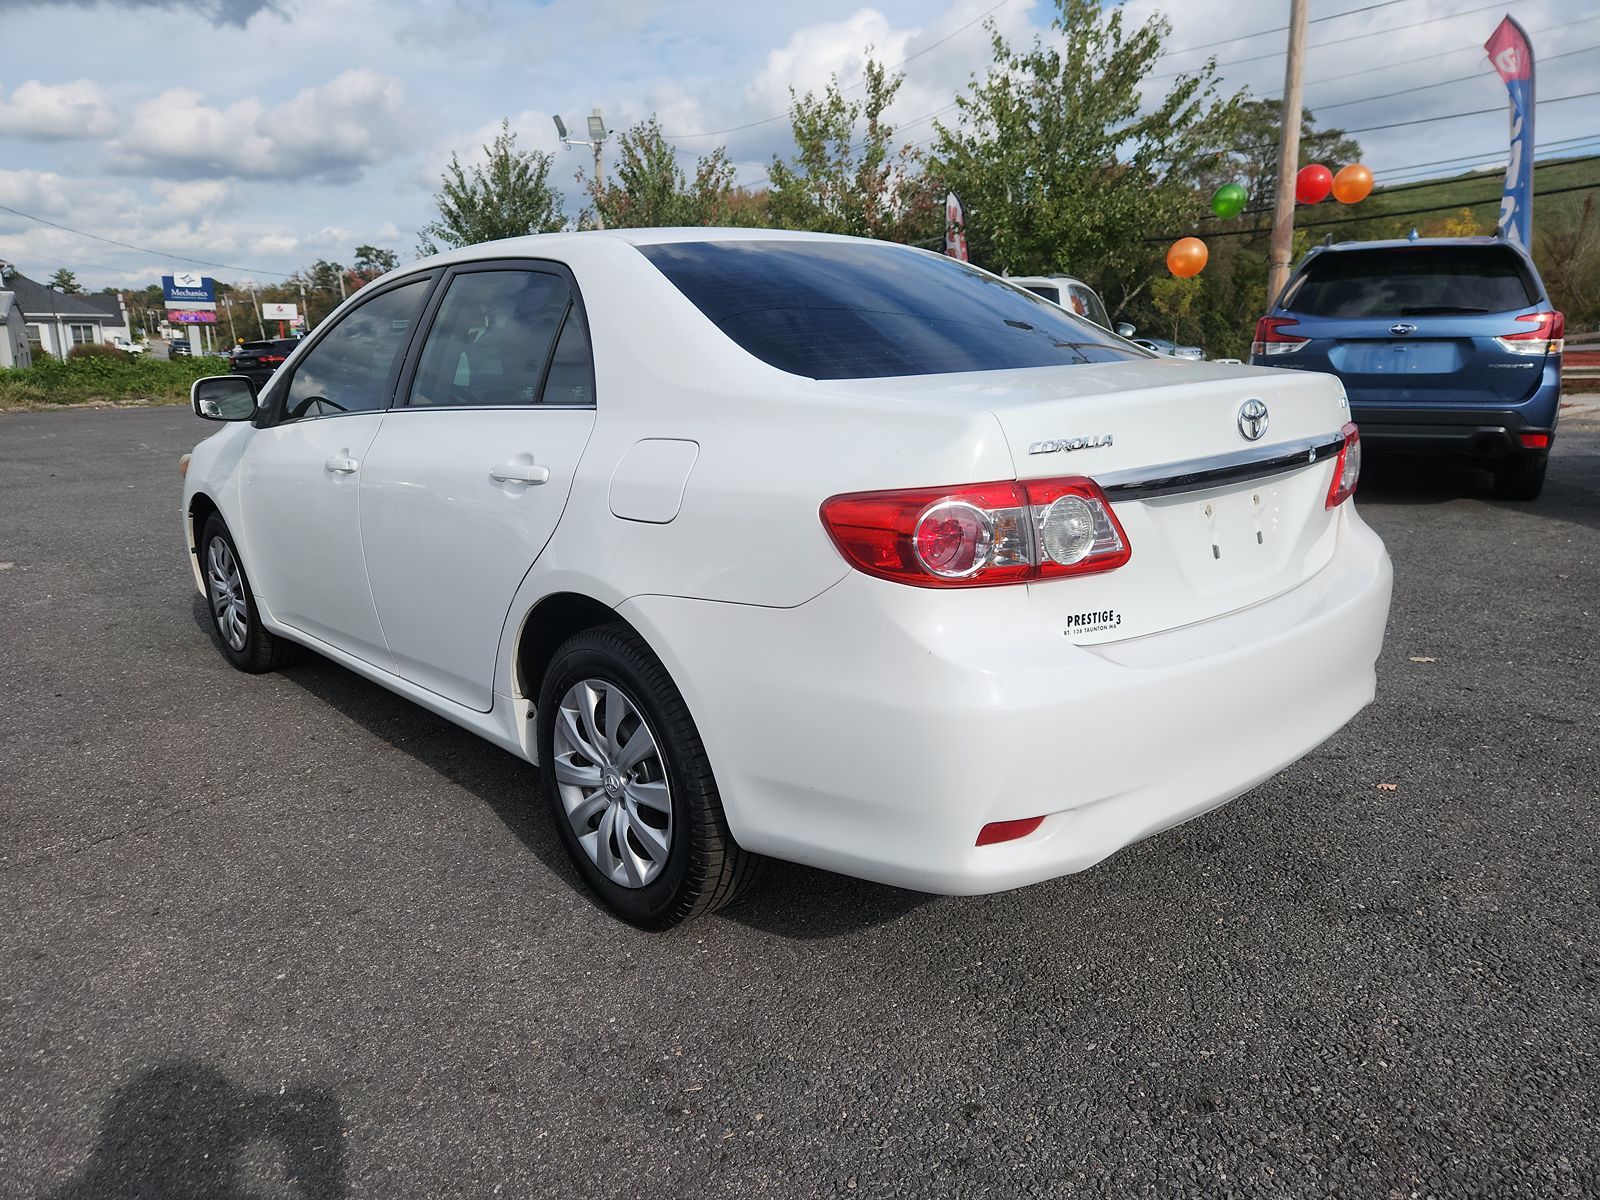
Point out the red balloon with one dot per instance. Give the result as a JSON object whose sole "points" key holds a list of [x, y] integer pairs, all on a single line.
{"points": [[1313, 184]]}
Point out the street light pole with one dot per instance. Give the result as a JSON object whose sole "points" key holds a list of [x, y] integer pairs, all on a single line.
{"points": [[1282, 251], [597, 137]]}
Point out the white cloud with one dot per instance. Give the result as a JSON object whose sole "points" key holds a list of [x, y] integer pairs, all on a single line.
{"points": [[329, 133], [40, 111]]}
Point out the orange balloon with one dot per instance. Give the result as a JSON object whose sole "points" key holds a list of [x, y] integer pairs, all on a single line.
{"points": [[1187, 257], [1352, 184]]}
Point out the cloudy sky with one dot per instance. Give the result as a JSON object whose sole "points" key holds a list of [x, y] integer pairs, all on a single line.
{"points": [[264, 134]]}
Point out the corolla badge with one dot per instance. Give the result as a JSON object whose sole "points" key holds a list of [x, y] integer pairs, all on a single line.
{"points": [[1055, 445], [1253, 420]]}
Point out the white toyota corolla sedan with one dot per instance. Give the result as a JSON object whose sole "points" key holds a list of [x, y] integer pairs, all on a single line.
{"points": [[784, 544]]}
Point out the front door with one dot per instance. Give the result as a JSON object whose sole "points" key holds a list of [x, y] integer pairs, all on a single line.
{"points": [[300, 476], [468, 476]]}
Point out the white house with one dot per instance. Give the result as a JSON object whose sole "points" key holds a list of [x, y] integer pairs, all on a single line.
{"points": [[57, 322], [14, 349]]}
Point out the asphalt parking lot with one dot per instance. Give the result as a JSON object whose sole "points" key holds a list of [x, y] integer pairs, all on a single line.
{"points": [[290, 936]]}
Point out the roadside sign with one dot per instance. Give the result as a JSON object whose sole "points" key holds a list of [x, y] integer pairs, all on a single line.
{"points": [[187, 316], [280, 312], [183, 289]]}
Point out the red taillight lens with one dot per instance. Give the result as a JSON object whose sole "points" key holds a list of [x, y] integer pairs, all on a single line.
{"points": [[1534, 441], [272, 358], [977, 536], [1346, 469], [1007, 831], [1270, 341], [1547, 336]]}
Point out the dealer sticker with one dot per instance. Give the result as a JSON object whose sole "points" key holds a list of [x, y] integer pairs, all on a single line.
{"points": [[1094, 621]]}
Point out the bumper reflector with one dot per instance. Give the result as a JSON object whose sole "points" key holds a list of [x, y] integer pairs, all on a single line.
{"points": [[1007, 831], [1534, 441]]}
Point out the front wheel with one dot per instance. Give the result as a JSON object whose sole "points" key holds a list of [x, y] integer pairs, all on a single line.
{"points": [[629, 786], [1521, 477], [245, 642]]}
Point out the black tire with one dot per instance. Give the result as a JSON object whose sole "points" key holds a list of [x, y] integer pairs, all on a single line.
{"points": [[260, 651], [1521, 477], [704, 868]]}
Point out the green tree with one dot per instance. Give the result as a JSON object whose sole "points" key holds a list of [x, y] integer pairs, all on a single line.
{"points": [[372, 261], [508, 196], [65, 282], [838, 184], [651, 188], [1251, 158], [1066, 159]]}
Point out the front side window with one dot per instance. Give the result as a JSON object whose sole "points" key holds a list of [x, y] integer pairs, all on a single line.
{"points": [[348, 370], [853, 310], [497, 336]]}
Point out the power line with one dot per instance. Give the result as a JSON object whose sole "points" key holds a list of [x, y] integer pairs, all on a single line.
{"points": [[1244, 37], [1476, 112], [201, 262], [1345, 40], [1382, 216], [1424, 87]]}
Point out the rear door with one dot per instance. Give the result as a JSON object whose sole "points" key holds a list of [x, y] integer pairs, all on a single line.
{"points": [[1416, 324], [469, 475]]}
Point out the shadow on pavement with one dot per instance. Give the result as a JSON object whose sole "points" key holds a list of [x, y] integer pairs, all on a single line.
{"points": [[804, 903], [185, 1131]]}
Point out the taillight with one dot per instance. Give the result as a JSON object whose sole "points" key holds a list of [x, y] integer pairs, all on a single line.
{"points": [[1547, 336], [1347, 469], [1270, 341], [272, 358], [978, 536]]}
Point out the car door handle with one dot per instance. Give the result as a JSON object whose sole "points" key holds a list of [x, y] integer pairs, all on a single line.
{"points": [[514, 472], [342, 464]]}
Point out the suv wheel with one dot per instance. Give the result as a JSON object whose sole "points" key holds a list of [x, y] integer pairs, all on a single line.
{"points": [[1521, 477], [628, 784]]}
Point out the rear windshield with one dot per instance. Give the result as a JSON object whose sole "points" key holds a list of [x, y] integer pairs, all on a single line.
{"points": [[845, 310], [1412, 281]]}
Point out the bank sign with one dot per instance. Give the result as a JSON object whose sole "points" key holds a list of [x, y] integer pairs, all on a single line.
{"points": [[184, 290]]}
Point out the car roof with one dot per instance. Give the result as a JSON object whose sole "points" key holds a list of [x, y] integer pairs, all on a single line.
{"points": [[1413, 243]]}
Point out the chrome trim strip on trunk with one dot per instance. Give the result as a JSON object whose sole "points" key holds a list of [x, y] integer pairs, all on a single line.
{"points": [[1197, 474]]}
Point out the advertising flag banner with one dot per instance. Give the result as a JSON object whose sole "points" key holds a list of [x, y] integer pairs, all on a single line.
{"points": [[1512, 56], [955, 229]]}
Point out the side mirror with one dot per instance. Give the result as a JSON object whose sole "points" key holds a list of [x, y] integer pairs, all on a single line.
{"points": [[223, 398], [1123, 329]]}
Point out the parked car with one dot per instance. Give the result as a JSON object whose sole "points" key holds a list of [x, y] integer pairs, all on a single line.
{"points": [[1444, 345], [1074, 295], [1162, 346], [123, 344], [179, 348], [258, 360], [785, 544]]}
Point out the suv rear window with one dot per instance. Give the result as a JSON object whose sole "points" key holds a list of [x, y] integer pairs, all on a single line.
{"points": [[1410, 281], [843, 310]]}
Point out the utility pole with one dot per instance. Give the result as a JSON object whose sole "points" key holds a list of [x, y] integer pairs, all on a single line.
{"points": [[1288, 155], [260, 324]]}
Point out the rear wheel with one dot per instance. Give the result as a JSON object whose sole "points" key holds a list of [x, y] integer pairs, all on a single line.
{"points": [[629, 786], [1521, 477], [245, 642]]}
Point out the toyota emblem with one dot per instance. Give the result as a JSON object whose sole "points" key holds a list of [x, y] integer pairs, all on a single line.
{"points": [[1252, 420]]}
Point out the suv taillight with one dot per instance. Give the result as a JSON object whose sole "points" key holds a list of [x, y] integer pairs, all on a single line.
{"points": [[1347, 469], [271, 358], [1547, 336], [979, 535], [1270, 341]]}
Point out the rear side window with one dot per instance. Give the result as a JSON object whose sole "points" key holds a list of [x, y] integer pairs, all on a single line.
{"points": [[1412, 281], [842, 310]]}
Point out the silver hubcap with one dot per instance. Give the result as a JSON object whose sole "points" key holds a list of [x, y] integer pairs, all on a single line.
{"points": [[227, 594], [613, 782]]}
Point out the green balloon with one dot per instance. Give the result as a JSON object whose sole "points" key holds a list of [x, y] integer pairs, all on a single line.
{"points": [[1229, 200]]}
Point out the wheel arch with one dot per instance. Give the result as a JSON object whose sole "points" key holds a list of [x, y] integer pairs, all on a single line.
{"points": [[549, 623]]}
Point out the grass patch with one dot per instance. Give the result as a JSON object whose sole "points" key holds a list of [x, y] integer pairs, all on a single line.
{"points": [[104, 380]]}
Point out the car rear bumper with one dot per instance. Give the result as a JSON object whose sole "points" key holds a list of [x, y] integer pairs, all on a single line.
{"points": [[877, 728], [1477, 432]]}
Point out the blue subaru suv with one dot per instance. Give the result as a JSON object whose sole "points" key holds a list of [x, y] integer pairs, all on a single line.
{"points": [[1444, 345]]}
